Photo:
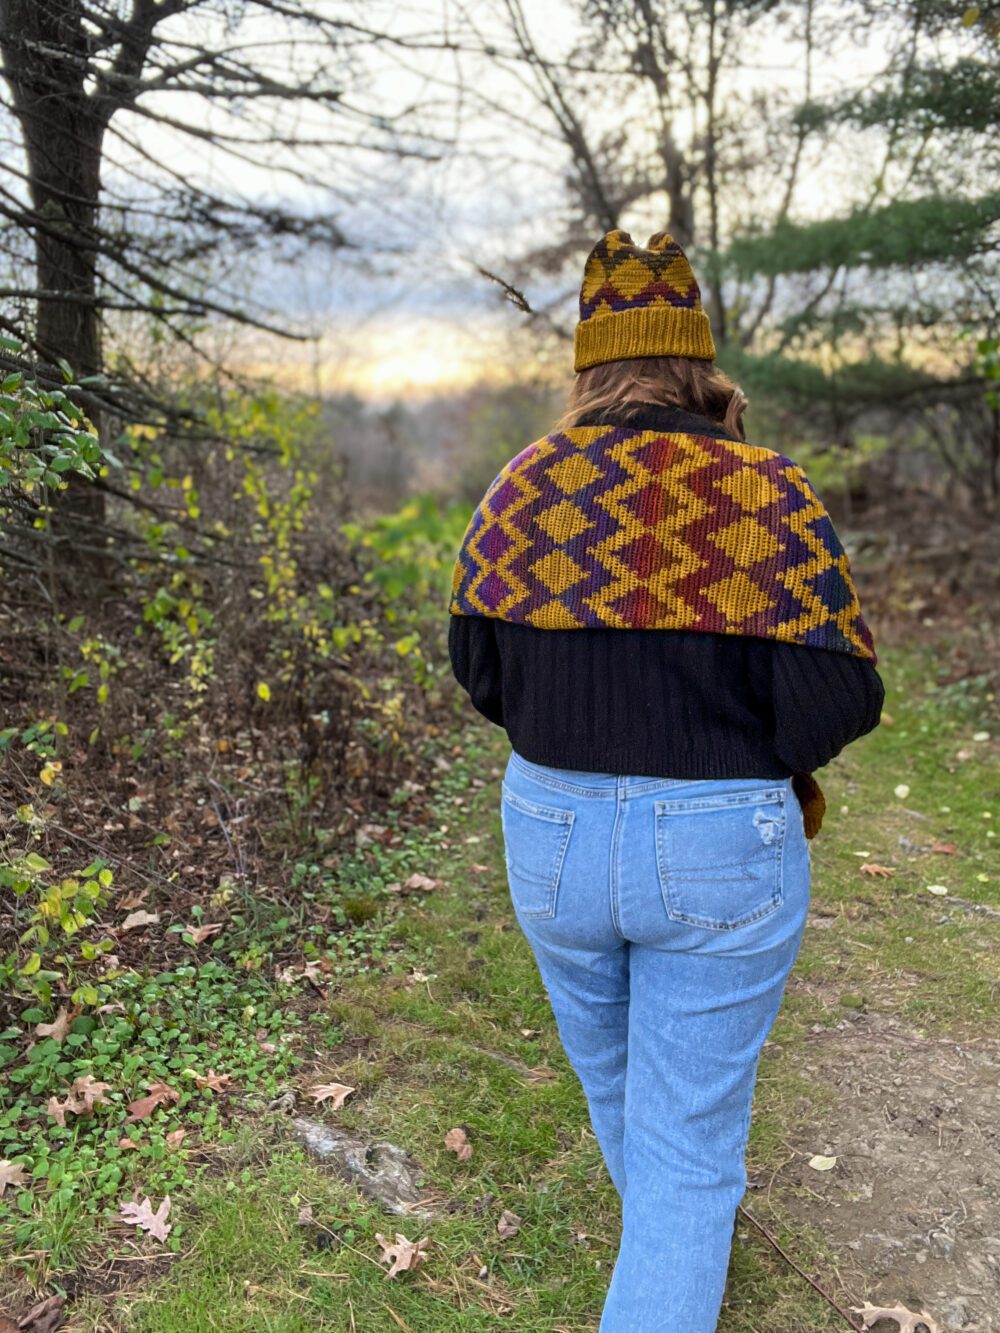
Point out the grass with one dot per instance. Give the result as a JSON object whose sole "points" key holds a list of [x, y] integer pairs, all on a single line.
{"points": [[454, 1030]]}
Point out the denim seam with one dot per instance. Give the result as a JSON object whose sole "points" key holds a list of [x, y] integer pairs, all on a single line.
{"points": [[608, 793], [539, 811], [765, 795], [613, 868]]}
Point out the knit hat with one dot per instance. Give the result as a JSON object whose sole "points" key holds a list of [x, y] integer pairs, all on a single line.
{"points": [[637, 302]]}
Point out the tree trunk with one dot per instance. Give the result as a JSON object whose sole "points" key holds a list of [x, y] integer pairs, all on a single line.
{"points": [[44, 49], [716, 304]]}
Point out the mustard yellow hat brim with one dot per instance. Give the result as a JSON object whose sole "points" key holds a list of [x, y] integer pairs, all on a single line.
{"points": [[655, 330]]}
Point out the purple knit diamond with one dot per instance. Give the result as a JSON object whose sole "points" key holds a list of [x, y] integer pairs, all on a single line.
{"points": [[504, 497], [492, 590], [494, 543]]}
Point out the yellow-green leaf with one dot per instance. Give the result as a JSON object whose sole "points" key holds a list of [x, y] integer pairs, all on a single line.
{"points": [[32, 965], [264, 691]]}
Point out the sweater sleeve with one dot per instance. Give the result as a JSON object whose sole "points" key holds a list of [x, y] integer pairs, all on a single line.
{"points": [[476, 664], [822, 701]]}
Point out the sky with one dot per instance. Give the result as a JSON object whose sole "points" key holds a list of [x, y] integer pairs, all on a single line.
{"points": [[403, 309]]}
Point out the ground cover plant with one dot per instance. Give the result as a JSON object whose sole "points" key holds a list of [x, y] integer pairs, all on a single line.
{"points": [[423, 1002]]}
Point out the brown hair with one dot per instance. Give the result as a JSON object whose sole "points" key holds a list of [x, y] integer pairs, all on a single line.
{"points": [[670, 381]]}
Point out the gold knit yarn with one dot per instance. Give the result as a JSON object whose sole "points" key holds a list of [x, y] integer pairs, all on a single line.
{"points": [[640, 302]]}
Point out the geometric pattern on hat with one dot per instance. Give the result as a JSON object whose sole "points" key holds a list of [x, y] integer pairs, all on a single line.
{"points": [[618, 527], [640, 302]]}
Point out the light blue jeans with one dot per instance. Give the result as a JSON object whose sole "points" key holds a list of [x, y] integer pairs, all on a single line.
{"points": [[665, 915]]}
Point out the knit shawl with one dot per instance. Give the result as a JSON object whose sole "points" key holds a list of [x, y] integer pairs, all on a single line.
{"points": [[627, 527]]}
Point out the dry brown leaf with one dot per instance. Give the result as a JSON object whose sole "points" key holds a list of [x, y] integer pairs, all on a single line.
{"points": [[870, 868], [478, 869], [11, 1175], [141, 1215], [86, 1093], [131, 901], [908, 1321], [126, 1142], [415, 884], [402, 1255], [158, 1094], [509, 1224], [334, 1093], [946, 848], [136, 919], [57, 1110], [175, 1138], [214, 1082], [540, 1074], [58, 1029], [457, 1141], [44, 1317], [201, 933]]}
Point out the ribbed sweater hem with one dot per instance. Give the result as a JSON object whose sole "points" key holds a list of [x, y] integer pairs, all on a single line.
{"points": [[708, 764]]}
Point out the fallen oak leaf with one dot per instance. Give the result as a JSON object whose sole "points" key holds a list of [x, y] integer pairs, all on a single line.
{"points": [[141, 1215], [126, 1143], [908, 1321], [86, 1093], [144, 1106], [509, 1224], [199, 934], [57, 1110], [478, 868], [871, 868], [58, 1029], [945, 848], [402, 1255], [457, 1141], [214, 1082], [335, 1093], [175, 1138], [12, 1174]]}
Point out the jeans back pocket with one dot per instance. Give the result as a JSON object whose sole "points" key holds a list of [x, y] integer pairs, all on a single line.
{"points": [[535, 840], [719, 857]]}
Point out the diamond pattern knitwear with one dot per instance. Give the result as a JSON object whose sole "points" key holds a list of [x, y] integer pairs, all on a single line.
{"points": [[622, 527]]}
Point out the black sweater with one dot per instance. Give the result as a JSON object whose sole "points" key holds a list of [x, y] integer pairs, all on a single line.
{"points": [[665, 703]]}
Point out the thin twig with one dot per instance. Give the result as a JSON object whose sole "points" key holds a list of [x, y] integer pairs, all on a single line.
{"points": [[511, 293], [776, 1246]]}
